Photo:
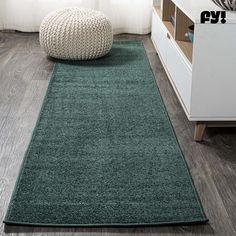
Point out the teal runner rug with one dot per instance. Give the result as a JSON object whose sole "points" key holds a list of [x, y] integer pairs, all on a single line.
{"points": [[103, 152]]}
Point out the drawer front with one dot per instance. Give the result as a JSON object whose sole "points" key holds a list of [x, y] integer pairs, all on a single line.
{"points": [[159, 36], [180, 73]]}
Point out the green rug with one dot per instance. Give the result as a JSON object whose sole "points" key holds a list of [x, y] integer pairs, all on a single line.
{"points": [[103, 152]]}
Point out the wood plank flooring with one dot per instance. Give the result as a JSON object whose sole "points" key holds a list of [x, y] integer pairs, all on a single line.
{"points": [[24, 77]]}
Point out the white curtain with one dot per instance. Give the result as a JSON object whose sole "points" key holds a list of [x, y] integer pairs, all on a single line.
{"points": [[127, 16]]}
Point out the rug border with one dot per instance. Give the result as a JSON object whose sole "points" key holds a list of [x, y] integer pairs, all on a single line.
{"points": [[28, 148], [177, 141], [110, 225], [195, 222]]}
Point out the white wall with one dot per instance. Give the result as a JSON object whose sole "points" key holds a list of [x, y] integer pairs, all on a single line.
{"points": [[127, 16], [26, 15], [1, 14]]}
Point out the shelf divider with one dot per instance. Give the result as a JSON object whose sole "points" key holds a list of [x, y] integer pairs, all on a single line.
{"points": [[168, 10], [182, 24]]}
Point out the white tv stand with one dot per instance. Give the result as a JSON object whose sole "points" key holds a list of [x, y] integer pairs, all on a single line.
{"points": [[202, 73]]}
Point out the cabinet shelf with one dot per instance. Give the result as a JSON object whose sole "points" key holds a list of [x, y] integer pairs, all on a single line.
{"points": [[195, 68], [168, 24], [177, 31], [158, 11], [186, 48], [170, 28]]}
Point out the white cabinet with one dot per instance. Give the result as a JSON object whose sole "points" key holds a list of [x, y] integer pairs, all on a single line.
{"points": [[202, 73], [179, 73], [159, 36]]}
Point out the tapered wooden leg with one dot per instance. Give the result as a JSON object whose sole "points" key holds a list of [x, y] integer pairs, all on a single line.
{"points": [[199, 131]]}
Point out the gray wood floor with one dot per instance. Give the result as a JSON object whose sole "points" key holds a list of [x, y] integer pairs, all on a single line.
{"points": [[24, 77]]}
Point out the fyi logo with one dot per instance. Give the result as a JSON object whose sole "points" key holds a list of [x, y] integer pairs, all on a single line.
{"points": [[213, 17]]}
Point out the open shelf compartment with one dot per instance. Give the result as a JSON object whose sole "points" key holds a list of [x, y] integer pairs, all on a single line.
{"points": [[182, 27], [168, 15], [177, 24]]}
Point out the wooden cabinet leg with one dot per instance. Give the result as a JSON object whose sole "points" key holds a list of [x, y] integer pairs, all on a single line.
{"points": [[199, 131]]}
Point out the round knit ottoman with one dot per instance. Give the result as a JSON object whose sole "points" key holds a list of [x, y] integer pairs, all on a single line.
{"points": [[76, 34]]}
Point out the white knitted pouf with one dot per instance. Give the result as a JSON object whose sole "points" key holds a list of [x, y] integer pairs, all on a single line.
{"points": [[76, 34]]}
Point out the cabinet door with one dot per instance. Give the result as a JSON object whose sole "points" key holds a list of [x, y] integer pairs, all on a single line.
{"points": [[159, 36], [180, 73]]}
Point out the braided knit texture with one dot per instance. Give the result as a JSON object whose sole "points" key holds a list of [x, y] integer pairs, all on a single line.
{"points": [[76, 34]]}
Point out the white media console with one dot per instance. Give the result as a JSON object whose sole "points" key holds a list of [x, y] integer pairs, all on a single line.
{"points": [[202, 73]]}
